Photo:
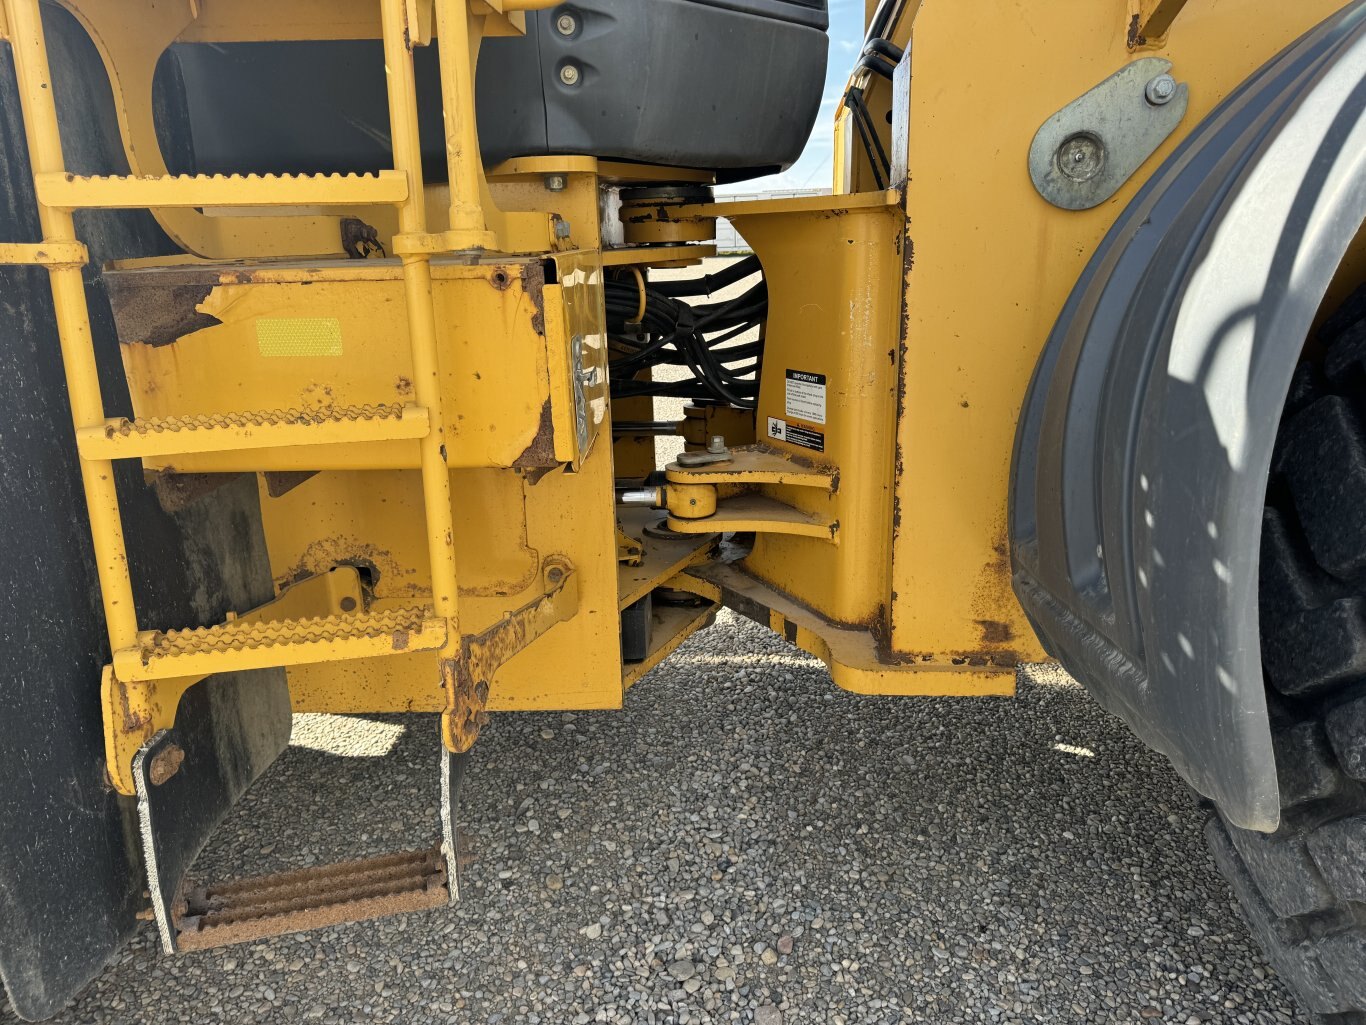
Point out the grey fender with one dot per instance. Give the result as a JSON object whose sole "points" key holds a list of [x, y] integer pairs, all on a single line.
{"points": [[1142, 452]]}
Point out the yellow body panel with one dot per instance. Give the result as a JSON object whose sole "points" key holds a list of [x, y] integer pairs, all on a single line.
{"points": [[230, 366], [991, 266]]}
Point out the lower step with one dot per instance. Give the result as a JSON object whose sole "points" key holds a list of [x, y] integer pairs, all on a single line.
{"points": [[250, 643], [313, 898]]}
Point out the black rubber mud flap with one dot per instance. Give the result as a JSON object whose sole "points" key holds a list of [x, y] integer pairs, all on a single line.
{"points": [[189, 778], [71, 876]]}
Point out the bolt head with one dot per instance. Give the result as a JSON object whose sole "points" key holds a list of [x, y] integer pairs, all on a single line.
{"points": [[1160, 90], [569, 74], [716, 444], [566, 24], [561, 228], [555, 182]]}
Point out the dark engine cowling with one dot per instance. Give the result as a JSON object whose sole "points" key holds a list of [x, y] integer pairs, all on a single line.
{"points": [[732, 86]]}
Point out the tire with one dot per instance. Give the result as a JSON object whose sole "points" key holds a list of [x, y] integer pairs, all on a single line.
{"points": [[1303, 888]]}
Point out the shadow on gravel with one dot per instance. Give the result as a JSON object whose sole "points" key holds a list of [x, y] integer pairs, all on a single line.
{"points": [[742, 837]]}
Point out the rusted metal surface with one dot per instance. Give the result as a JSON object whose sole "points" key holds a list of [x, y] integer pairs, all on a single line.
{"points": [[540, 453], [533, 284], [468, 678], [313, 898], [156, 315], [1152, 21]]}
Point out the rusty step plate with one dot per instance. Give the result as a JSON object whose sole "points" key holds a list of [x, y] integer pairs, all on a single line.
{"points": [[251, 909]]}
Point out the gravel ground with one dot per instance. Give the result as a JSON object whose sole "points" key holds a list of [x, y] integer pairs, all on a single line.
{"points": [[743, 843]]}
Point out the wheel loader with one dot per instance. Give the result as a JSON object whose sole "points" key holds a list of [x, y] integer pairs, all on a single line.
{"points": [[333, 335]]}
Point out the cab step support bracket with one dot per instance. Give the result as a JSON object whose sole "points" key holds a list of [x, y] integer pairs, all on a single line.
{"points": [[174, 824]]}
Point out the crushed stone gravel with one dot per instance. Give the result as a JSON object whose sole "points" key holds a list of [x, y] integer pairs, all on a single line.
{"points": [[744, 842]]}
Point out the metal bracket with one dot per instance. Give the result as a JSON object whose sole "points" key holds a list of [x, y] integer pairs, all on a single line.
{"points": [[1085, 152], [43, 254], [715, 452], [467, 679], [175, 821]]}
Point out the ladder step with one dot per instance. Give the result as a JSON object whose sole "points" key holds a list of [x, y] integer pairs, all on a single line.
{"points": [[252, 909], [75, 192], [231, 432], [241, 644]]}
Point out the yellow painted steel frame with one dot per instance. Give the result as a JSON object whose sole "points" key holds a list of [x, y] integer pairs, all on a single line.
{"points": [[409, 416], [990, 263], [925, 309]]}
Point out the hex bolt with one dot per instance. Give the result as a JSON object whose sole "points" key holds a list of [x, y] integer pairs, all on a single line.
{"points": [[1160, 90], [566, 24], [716, 445], [569, 74], [555, 182], [561, 228]]}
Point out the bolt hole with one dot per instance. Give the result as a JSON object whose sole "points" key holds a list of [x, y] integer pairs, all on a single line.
{"points": [[500, 280]]}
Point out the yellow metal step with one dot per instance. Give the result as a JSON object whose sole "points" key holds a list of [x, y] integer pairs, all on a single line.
{"points": [[231, 432], [235, 646], [75, 192]]}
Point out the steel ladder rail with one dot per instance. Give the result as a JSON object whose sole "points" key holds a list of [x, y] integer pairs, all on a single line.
{"points": [[63, 255]]}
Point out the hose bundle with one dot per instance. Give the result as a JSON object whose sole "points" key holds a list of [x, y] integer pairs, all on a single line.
{"points": [[665, 329]]}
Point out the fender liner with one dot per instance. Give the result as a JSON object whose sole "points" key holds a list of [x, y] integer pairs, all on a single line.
{"points": [[1142, 451]]}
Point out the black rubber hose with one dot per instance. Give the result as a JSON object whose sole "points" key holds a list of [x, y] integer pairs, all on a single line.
{"points": [[708, 284], [854, 101], [875, 64], [884, 48]]}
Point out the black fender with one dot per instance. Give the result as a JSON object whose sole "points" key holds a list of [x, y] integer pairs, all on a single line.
{"points": [[1142, 452]]}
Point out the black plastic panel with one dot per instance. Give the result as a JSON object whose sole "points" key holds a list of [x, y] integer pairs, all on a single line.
{"points": [[733, 86]]}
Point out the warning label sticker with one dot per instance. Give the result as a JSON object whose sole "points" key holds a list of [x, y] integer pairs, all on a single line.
{"points": [[805, 396], [781, 430]]}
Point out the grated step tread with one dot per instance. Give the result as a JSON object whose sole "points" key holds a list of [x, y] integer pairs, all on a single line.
{"points": [[245, 644], [64, 190], [252, 909], [260, 418], [252, 430], [239, 635]]}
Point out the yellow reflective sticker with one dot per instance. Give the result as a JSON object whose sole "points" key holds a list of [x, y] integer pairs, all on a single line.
{"points": [[299, 336]]}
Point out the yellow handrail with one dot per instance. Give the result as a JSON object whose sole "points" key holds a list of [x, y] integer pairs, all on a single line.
{"points": [[417, 284], [467, 227]]}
